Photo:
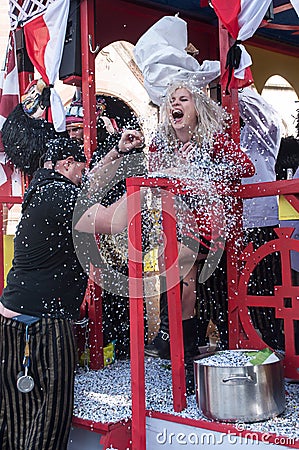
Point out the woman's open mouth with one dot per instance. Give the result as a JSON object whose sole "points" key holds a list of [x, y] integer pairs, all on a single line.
{"points": [[177, 114]]}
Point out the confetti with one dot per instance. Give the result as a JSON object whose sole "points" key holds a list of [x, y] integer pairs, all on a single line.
{"points": [[105, 396]]}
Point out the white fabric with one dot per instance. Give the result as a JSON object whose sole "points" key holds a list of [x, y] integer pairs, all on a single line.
{"points": [[249, 19], [9, 83], [260, 139], [295, 4], [3, 177], [3, 157], [16, 183], [19, 13], [245, 61], [55, 18], [58, 112], [161, 56]]}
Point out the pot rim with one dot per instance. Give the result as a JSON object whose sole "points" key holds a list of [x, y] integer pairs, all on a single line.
{"points": [[199, 361]]}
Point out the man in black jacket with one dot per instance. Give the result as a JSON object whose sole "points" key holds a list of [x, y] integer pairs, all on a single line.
{"points": [[45, 288]]}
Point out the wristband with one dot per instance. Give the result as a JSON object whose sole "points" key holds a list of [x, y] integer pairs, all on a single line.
{"points": [[119, 151], [129, 152]]}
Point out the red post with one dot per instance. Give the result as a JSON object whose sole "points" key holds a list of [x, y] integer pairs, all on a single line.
{"points": [[136, 318], [94, 301], [230, 103], [87, 8], [136, 304], [174, 302], [87, 22]]}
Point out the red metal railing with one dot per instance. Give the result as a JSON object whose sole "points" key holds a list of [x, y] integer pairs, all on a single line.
{"points": [[290, 189]]}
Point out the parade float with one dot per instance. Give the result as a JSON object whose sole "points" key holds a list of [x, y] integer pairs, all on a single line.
{"points": [[141, 403]]}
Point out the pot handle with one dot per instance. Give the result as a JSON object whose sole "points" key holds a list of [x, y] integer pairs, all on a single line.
{"points": [[247, 379]]}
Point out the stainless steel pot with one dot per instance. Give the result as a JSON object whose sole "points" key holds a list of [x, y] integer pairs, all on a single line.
{"points": [[240, 394]]}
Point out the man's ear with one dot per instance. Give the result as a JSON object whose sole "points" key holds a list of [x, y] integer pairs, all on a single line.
{"points": [[68, 161]]}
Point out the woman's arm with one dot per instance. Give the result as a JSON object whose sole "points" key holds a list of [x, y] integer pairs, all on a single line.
{"points": [[228, 152]]}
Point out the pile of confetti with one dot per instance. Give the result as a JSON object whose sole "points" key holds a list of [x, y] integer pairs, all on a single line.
{"points": [[227, 358], [105, 396]]}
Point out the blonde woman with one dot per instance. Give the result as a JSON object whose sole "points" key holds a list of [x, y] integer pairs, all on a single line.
{"points": [[192, 145]]}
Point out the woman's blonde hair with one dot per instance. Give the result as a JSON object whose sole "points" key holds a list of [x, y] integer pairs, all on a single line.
{"points": [[211, 117]]}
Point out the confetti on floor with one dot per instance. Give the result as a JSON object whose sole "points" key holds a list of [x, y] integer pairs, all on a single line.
{"points": [[105, 396]]}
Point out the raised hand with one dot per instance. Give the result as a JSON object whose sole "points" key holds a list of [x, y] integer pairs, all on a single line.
{"points": [[130, 140]]}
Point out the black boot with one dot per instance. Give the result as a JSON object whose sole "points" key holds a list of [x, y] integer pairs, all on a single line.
{"points": [[160, 346], [190, 332]]}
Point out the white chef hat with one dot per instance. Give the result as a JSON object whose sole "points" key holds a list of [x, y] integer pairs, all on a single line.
{"points": [[161, 56]]}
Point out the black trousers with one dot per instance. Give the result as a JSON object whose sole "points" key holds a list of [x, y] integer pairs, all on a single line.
{"points": [[40, 419]]}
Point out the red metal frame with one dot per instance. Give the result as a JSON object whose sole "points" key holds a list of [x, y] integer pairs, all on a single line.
{"points": [[174, 302], [239, 300], [241, 332], [87, 8], [230, 103], [136, 317], [228, 428], [111, 435], [93, 294], [136, 304]]}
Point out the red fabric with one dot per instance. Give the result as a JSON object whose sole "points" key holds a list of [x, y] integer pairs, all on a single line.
{"points": [[225, 150], [9, 98], [5, 188], [8, 169], [7, 103], [210, 225], [228, 14], [37, 37], [237, 83]]}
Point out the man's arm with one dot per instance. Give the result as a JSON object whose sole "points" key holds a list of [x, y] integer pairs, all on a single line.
{"points": [[106, 168], [105, 220], [108, 220]]}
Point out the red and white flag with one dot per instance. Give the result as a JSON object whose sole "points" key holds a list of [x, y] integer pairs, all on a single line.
{"points": [[241, 18], [9, 98], [9, 81], [44, 37]]}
